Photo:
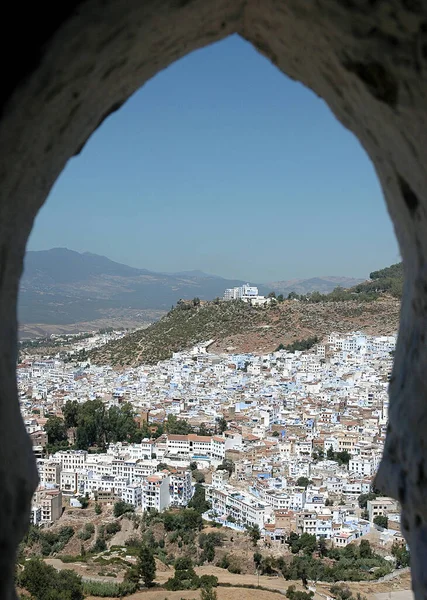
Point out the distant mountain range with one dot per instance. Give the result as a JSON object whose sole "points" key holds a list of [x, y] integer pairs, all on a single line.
{"points": [[61, 287], [323, 285]]}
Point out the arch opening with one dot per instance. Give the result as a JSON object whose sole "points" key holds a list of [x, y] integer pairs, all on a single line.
{"points": [[365, 62]]}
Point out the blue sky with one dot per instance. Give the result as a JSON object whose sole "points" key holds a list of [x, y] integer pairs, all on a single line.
{"points": [[221, 163]]}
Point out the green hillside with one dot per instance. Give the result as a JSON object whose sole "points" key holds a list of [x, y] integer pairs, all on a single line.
{"points": [[388, 281]]}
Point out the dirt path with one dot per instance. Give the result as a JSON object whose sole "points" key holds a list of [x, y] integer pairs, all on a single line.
{"points": [[274, 583], [222, 593], [127, 531], [79, 568]]}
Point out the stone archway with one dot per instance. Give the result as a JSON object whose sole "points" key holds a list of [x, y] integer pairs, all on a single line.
{"points": [[79, 61]]}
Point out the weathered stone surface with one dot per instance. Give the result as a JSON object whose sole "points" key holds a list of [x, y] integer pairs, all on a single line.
{"points": [[75, 62]]}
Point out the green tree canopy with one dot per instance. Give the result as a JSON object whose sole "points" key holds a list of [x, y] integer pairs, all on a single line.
{"points": [[71, 413], [177, 426], [146, 565], [45, 583], [254, 533], [303, 482], [363, 499], [221, 424], [401, 554], [365, 550], [121, 507], [56, 430], [381, 521]]}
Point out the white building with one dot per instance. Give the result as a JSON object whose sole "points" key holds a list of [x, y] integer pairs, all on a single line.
{"points": [[132, 494], [180, 488], [155, 492]]}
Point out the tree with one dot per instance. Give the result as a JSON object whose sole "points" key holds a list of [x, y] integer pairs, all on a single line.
{"points": [[318, 454], [365, 549], [363, 499], [294, 594], [131, 579], [198, 476], [257, 559], [401, 554], [69, 585], [91, 425], [208, 581], [226, 465], [98, 508], [343, 458], [185, 577], [121, 507], [221, 424], [330, 455], [198, 501], [146, 565], [208, 593], [203, 430], [120, 423], [56, 430], [71, 412], [381, 521], [323, 551], [84, 501], [45, 583], [254, 533], [36, 578], [177, 426], [303, 482], [208, 542], [308, 543]]}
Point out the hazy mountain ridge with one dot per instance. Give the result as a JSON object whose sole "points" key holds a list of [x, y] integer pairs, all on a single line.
{"points": [[60, 286], [324, 284], [64, 289]]}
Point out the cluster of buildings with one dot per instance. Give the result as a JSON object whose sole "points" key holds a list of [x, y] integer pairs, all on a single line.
{"points": [[127, 473], [301, 438], [246, 293]]}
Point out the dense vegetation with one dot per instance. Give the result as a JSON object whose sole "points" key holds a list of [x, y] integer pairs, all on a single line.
{"points": [[313, 560], [49, 542], [299, 345], [384, 281], [97, 426], [185, 577], [46, 583]]}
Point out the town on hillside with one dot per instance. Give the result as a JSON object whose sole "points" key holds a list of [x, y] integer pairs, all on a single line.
{"points": [[288, 441]]}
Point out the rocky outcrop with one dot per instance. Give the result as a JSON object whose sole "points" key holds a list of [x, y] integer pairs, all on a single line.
{"points": [[73, 63]]}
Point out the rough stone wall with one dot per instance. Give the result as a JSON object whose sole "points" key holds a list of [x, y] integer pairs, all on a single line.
{"points": [[77, 62]]}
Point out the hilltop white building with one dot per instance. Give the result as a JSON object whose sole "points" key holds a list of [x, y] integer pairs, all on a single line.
{"points": [[247, 293]]}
